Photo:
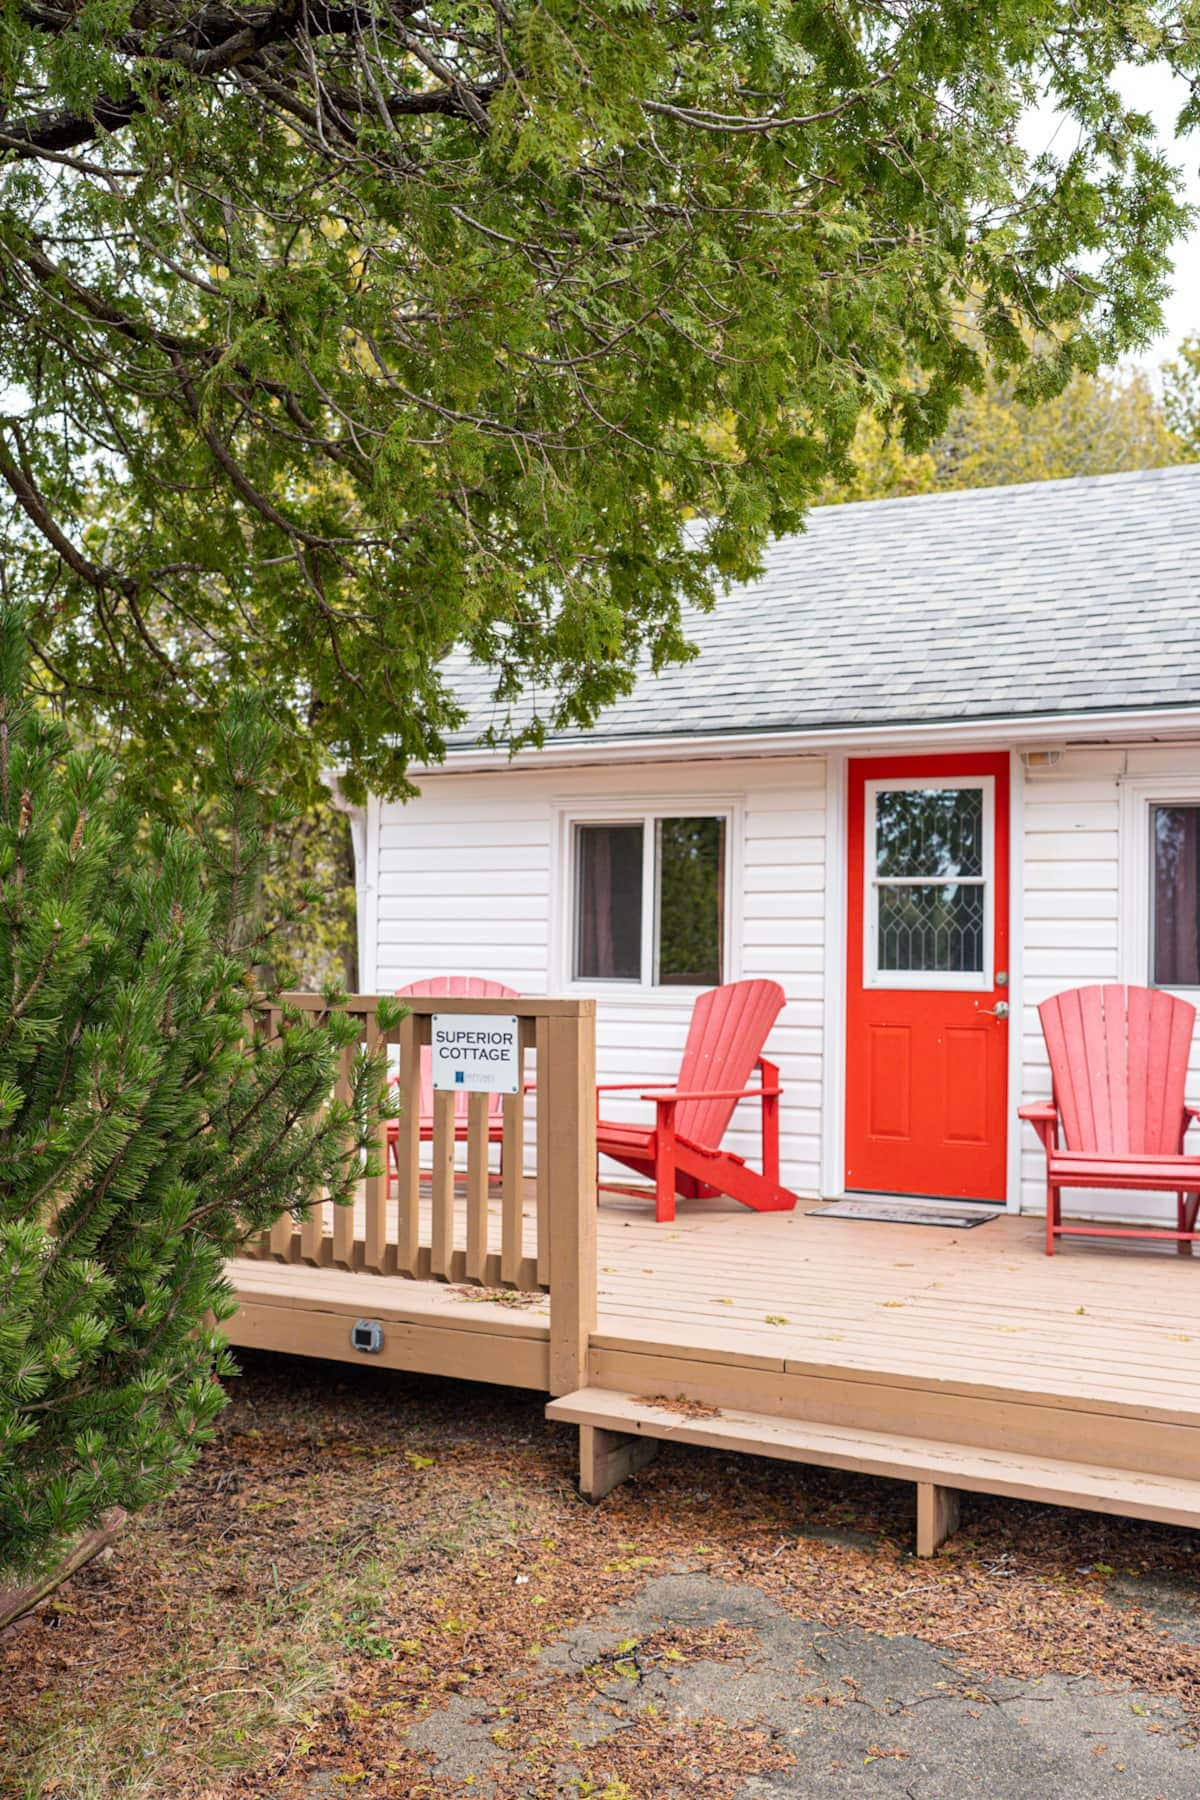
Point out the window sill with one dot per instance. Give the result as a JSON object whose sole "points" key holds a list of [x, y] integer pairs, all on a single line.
{"points": [[633, 992]]}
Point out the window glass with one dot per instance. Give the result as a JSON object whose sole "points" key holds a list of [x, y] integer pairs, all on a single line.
{"points": [[929, 831], [929, 881], [690, 864], [608, 905], [931, 927], [1176, 924]]}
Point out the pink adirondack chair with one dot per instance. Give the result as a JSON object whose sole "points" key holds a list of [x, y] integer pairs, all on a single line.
{"points": [[1119, 1060], [682, 1151], [458, 987]]}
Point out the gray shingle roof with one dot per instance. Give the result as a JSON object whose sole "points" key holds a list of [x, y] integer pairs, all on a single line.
{"points": [[1053, 597]]}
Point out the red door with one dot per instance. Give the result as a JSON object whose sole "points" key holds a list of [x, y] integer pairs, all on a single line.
{"points": [[927, 976]]}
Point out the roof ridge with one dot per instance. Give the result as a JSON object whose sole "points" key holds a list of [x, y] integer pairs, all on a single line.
{"points": [[1054, 483]]}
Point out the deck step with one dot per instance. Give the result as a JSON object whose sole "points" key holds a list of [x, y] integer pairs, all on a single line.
{"points": [[1171, 1500]]}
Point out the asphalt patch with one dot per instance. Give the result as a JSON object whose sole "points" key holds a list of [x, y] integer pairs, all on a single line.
{"points": [[845, 1712]]}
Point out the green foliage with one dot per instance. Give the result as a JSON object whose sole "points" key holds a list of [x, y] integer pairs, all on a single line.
{"points": [[148, 1122], [1098, 425], [335, 336], [312, 854], [1181, 396]]}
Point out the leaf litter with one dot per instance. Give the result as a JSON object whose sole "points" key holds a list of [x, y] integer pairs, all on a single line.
{"points": [[355, 1552]]}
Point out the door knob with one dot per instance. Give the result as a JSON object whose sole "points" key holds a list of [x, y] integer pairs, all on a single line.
{"points": [[999, 1011]]}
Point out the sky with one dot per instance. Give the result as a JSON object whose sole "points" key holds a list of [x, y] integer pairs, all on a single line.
{"points": [[1158, 92]]}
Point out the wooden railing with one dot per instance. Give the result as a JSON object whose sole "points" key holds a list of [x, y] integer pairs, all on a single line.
{"points": [[442, 1207]]}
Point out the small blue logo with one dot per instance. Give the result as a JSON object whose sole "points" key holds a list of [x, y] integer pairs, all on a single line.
{"points": [[458, 1077]]}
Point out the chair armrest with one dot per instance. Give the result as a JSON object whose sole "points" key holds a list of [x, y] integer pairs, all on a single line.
{"points": [[674, 1094], [1190, 1112], [1043, 1116], [619, 1087]]}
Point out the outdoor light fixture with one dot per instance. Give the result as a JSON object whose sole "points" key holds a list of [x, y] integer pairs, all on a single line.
{"points": [[367, 1335], [1041, 759]]}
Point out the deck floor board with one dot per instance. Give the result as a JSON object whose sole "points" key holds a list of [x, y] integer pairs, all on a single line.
{"points": [[1115, 1326]]}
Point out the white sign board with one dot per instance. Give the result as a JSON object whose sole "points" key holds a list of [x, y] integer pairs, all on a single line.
{"points": [[475, 1053]]}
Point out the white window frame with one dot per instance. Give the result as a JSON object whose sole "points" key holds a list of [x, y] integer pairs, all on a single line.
{"points": [[946, 980], [1139, 796], [647, 813]]}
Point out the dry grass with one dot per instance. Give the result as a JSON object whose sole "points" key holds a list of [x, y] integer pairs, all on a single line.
{"points": [[356, 1548]]}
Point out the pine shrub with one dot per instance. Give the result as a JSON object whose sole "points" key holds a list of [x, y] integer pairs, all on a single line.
{"points": [[149, 1121]]}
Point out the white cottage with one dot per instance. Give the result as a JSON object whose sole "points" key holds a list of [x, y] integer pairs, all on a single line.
{"points": [[941, 761]]}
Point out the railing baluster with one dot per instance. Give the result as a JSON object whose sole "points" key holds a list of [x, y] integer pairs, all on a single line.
{"points": [[542, 1180], [312, 1232], [343, 1216], [377, 1253], [408, 1146], [441, 1237], [477, 1186], [512, 1186], [284, 1239]]}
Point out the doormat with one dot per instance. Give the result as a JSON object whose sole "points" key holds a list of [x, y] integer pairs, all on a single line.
{"points": [[888, 1214]]}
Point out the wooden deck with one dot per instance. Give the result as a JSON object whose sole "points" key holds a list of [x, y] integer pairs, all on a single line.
{"points": [[903, 1348]]}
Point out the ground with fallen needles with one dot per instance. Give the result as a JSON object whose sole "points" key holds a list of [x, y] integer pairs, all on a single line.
{"points": [[381, 1585]]}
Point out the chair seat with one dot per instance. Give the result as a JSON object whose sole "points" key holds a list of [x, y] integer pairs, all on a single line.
{"points": [[1166, 1174], [636, 1140], [614, 1139]]}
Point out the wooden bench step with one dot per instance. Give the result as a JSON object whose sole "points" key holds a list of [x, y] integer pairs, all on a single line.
{"points": [[618, 1431]]}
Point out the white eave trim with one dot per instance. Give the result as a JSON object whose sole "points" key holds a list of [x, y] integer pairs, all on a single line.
{"points": [[1022, 729]]}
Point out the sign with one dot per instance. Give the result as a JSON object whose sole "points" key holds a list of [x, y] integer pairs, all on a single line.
{"points": [[475, 1053]]}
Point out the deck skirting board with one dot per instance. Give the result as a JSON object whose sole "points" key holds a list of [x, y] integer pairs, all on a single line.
{"points": [[383, 1297], [1107, 1439], [509, 1359]]}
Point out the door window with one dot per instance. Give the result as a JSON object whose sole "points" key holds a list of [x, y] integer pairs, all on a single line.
{"points": [[928, 876]]}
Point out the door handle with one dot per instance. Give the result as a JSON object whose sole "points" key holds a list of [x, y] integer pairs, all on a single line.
{"points": [[999, 1011]]}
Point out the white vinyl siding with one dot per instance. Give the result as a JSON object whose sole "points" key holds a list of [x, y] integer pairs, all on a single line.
{"points": [[472, 881], [1076, 869], [472, 878]]}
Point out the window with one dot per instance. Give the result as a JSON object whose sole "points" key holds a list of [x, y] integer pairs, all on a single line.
{"points": [[1175, 895], [928, 871], [690, 901], [608, 885], [1159, 899], [649, 901]]}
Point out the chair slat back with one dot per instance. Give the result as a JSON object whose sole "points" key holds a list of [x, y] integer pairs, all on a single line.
{"points": [[454, 987], [729, 1027], [1119, 1061]]}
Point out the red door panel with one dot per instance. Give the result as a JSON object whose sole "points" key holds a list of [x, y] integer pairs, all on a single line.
{"points": [[889, 1081], [927, 962]]}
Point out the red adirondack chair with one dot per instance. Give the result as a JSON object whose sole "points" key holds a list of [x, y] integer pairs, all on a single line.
{"points": [[682, 1151], [1119, 1061], [459, 987]]}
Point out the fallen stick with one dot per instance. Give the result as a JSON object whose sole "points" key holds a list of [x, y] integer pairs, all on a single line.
{"points": [[17, 1602]]}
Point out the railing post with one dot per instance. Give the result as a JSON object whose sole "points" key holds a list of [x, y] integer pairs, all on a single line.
{"points": [[567, 1088]]}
